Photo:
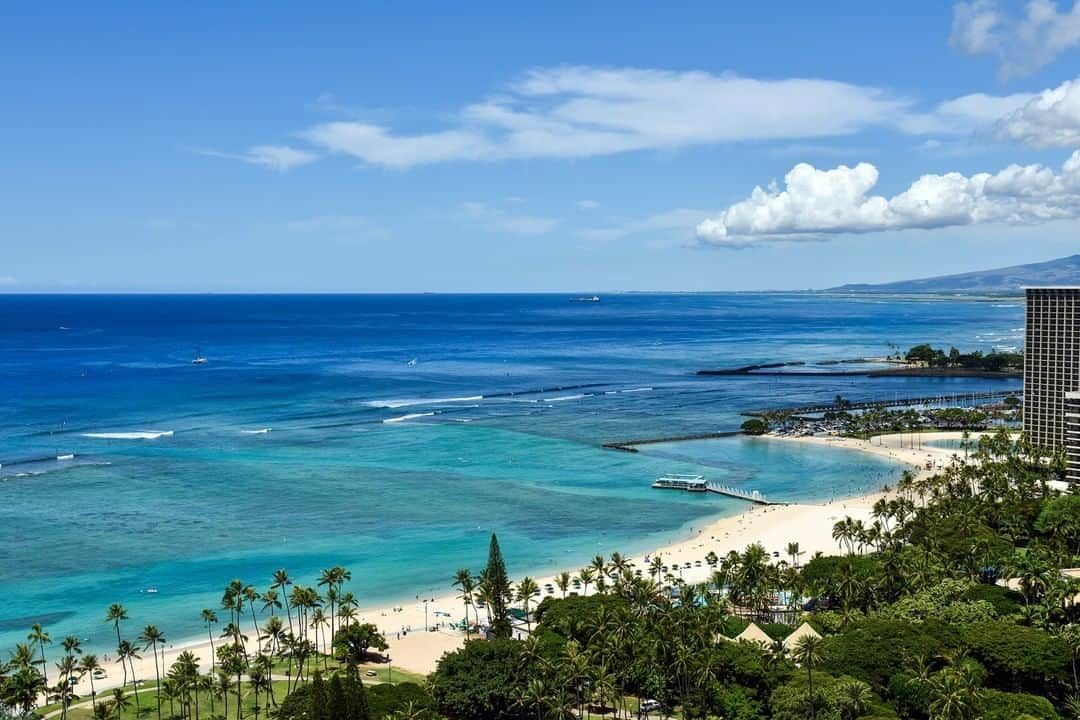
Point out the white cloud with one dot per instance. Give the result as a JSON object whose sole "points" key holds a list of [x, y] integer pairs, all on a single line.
{"points": [[330, 224], [497, 220], [817, 203], [275, 157], [573, 112], [678, 220], [587, 204], [1022, 43], [1050, 119]]}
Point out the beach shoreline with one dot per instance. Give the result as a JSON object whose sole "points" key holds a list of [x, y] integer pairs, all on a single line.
{"points": [[808, 524]]}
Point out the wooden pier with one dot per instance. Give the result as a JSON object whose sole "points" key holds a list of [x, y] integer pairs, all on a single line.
{"points": [[753, 496]]}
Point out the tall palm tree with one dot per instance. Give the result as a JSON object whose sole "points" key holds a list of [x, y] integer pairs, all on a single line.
{"points": [[562, 581], [127, 653], [39, 636], [114, 615], [586, 575], [794, 553], [463, 579], [150, 637], [271, 602], [209, 618], [250, 594], [89, 665], [281, 583], [808, 654], [526, 589]]}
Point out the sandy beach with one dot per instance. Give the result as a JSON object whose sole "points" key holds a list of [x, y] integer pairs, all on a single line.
{"points": [[810, 525]]}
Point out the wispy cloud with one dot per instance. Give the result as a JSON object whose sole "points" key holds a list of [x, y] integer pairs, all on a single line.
{"points": [[1022, 41], [330, 224], [676, 223], [582, 111], [276, 157], [573, 112], [497, 220], [587, 204], [8, 280]]}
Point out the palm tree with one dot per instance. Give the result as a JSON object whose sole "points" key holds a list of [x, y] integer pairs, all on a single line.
{"points": [[794, 553], [271, 602], [281, 582], [68, 671], [127, 652], [463, 579], [855, 697], [120, 702], [562, 581], [586, 575], [319, 621], [39, 636], [150, 638], [90, 665], [209, 618], [115, 614], [525, 591], [250, 594], [808, 654], [23, 688], [954, 695]]}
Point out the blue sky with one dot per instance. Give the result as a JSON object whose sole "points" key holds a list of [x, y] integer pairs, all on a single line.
{"points": [[562, 147]]}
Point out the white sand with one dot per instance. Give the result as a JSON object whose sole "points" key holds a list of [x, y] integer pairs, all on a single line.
{"points": [[774, 527]]}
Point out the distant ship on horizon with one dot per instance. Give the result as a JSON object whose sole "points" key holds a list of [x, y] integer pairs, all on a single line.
{"points": [[593, 299]]}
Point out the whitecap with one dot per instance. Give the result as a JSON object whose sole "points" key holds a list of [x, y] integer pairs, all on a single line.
{"points": [[260, 431], [408, 402], [145, 435], [563, 398], [637, 390], [410, 416]]}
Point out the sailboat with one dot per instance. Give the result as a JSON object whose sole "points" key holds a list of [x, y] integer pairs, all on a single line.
{"points": [[198, 359]]}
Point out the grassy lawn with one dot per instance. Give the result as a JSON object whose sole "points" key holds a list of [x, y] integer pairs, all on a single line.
{"points": [[148, 697]]}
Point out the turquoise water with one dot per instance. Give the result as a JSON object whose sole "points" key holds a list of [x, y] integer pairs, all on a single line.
{"points": [[497, 426]]}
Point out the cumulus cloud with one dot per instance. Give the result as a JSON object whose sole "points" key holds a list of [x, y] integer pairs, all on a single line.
{"points": [[1022, 41], [497, 220], [276, 157], [814, 204], [1050, 119]]}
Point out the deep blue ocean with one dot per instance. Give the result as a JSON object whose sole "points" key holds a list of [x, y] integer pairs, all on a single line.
{"points": [[393, 434]]}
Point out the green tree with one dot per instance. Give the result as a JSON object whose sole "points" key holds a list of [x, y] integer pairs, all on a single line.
{"points": [[807, 653], [41, 638], [356, 641], [150, 638], [497, 589]]}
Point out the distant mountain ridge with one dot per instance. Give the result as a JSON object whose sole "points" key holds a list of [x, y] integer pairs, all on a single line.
{"points": [[1008, 280]]}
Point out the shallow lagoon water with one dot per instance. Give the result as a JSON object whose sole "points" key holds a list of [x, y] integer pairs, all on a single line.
{"points": [[309, 439]]}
